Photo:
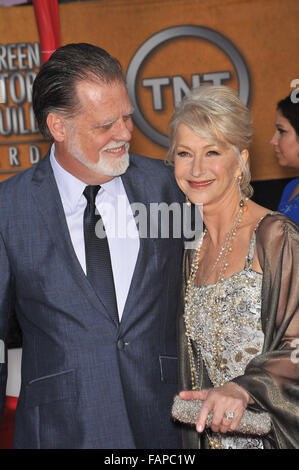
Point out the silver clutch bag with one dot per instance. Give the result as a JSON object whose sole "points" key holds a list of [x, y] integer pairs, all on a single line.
{"points": [[252, 422]]}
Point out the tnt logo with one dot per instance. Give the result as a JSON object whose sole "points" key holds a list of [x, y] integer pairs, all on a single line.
{"points": [[180, 87], [170, 64]]}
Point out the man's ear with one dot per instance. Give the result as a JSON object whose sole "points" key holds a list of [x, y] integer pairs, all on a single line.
{"points": [[56, 126]]}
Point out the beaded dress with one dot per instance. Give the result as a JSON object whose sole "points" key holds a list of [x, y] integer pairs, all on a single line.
{"points": [[238, 319]]}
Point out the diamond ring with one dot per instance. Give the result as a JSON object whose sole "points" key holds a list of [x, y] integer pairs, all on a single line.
{"points": [[229, 415]]}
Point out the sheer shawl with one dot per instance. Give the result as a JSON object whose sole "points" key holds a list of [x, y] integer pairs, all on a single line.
{"points": [[272, 377]]}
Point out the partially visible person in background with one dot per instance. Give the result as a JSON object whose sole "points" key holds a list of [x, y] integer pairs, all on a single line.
{"points": [[286, 145]]}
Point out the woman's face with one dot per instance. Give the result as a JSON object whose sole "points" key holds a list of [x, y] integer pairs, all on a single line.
{"points": [[205, 172], [285, 142]]}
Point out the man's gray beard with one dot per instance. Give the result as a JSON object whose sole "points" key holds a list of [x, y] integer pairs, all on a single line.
{"points": [[105, 165]]}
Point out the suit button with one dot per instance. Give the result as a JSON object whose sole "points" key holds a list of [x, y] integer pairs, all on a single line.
{"points": [[120, 344]]}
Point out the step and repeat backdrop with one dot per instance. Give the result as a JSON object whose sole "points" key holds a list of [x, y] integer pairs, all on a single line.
{"points": [[166, 48]]}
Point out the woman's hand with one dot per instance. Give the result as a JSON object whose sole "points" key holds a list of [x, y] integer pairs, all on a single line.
{"points": [[229, 398]]}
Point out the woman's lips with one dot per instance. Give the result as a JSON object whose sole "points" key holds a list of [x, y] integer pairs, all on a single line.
{"points": [[200, 184]]}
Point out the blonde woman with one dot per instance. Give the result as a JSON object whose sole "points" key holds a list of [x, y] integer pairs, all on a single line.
{"points": [[240, 321]]}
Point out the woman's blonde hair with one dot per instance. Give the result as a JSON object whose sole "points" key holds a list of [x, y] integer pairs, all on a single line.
{"points": [[215, 113]]}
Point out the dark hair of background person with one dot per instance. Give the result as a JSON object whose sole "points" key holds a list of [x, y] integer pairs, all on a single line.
{"points": [[54, 86], [290, 110]]}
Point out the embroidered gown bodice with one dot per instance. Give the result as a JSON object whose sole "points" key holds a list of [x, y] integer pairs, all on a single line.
{"points": [[238, 321]]}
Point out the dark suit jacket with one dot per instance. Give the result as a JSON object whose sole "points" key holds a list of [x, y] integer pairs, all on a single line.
{"points": [[87, 381]]}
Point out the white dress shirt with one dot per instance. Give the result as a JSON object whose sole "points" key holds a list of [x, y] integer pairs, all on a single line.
{"points": [[114, 207]]}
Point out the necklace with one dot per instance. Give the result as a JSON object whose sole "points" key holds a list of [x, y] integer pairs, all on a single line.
{"points": [[218, 363], [228, 236]]}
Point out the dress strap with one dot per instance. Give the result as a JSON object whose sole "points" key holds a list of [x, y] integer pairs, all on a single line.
{"points": [[249, 258]]}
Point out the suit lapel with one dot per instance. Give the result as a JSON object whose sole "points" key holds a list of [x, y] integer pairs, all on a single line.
{"points": [[137, 191], [48, 202]]}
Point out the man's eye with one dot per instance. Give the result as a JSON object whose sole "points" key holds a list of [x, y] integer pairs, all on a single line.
{"points": [[281, 131], [102, 127]]}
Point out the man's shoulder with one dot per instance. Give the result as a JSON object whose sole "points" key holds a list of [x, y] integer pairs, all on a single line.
{"points": [[10, 184], [16, 187], [151, 165], [143, 161], [26, 175], [157, 177]]}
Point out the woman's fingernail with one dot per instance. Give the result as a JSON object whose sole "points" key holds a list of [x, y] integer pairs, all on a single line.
{"points": [[199, 428]]}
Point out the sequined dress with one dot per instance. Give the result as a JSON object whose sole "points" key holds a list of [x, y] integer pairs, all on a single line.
{"points": [[238, 321]]}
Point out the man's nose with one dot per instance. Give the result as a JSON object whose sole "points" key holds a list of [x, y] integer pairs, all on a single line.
{"points": [[123, 130]]}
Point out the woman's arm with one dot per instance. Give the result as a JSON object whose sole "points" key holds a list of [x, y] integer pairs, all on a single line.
{"points": [[272, 378]]}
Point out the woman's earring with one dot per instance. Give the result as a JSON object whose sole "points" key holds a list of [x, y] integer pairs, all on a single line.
{"points": [[239, 179], [188, 202], [242, 202]]}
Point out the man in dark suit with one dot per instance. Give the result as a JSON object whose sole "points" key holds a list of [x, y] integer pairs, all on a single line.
{"points": [[97, 313]]}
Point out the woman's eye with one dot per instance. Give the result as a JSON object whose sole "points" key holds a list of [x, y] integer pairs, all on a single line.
{"points": [[183, 154], [281, 131], [211, 153]]}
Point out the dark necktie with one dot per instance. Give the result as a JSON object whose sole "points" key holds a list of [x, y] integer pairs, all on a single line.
{"points": [[98, 261]]}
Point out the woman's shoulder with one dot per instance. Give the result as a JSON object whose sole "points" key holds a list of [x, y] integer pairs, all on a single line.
{"points": [[276, 218], [277, 236], [254, 215], [275, 225]]}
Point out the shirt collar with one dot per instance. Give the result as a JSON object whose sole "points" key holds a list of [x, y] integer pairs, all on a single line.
{"points": [[71, 188]]}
